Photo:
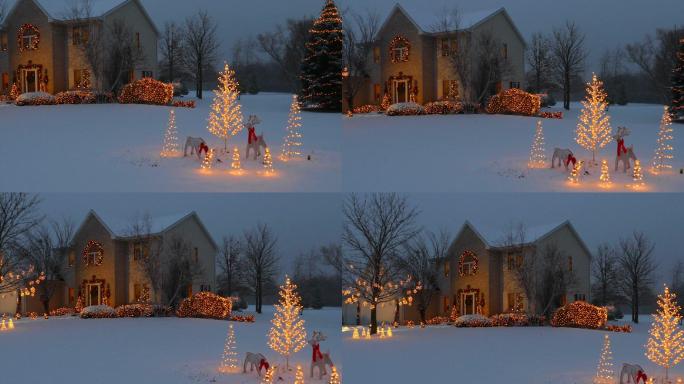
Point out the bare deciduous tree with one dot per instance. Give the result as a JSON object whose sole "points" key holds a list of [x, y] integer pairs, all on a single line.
{"points": [[359, 35], [556, 278], [376, 229], [261, 260], [201, 46], [172, 52], [286, 46], [637, 269], [605, 274], [525, 268], [678, 281], [231, 276], [569, 56], [540, 61], [181, 269]]}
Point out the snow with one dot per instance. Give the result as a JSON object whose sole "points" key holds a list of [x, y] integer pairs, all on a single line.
{"points": [[146, 350], [115, 148], [532, 355], [120, 225], [496, 236], [59, 9], [426, 18], [489, 153]]}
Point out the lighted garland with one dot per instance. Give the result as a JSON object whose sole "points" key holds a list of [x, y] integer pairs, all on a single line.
{"points": [[461, 261], [394, 44], [580, 314], [369, 108], [20, 37], [93, 246], [205, 305], [514, 102]]}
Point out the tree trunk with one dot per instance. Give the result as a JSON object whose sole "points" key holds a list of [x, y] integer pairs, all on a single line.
{"points": [[258, 295], [200, 79], [422, 315], [566, 91], [374, 321], [635, 310], [46, 306], [396, 311], [358, 313]]}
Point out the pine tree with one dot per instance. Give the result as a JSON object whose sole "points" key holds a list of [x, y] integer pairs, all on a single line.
{"points": [[677, 108], [637, 174], [322, 67], [229, 360], [593, 130], [664, 151], [268, 162], [225, 118], [299, 375], [79, 305], [236, 165], [605, 175], [538, 150], [171, 145], [287, 335], [386, 102], [665, 345], [334, 377], [293, 139], [604, 372]]}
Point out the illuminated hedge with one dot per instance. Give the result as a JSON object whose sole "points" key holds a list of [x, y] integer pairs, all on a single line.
{"points": [[64, 311], [472, 321], [135, 310], [35, 98], [443, 107], [369, 108], [75, 97], [147, 91], [98, 312], [580, 314], [514, 102], [205, 305]]}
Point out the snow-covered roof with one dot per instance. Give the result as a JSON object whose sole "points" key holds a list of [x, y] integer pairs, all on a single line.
{"points": [[59, 9], [121, 226], [496, 237]]}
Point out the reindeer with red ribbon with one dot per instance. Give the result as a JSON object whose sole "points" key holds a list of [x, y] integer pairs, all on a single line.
{"points": [[318, 359]]}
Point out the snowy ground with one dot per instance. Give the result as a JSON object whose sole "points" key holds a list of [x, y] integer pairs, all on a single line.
{"points": [[484, 153], [533, 355], [156, 350], [115, 148]]}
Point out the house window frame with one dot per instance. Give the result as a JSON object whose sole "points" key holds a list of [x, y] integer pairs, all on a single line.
{"points": [[400, 49], [80, 34]]}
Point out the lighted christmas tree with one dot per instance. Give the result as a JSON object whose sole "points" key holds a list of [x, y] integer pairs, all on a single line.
{"points": [[293, 140], [171, 146], [229, 360], [637, 175], [593, 130], [236, 165], [225, 118], [538, 151], [575, 173], [386, 102], [268, 162], [604, 372], [208, 161], [79, 305], [287, 335], [334, 377], [322, 66], [605, 175], [269, 376], [677, 108], [663, 154], [299, 375], [14, 92], [665, 345]]}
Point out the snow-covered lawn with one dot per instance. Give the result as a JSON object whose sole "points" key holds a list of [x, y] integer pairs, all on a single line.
{"points": [[154, 350], [115, 148], [533, 355], [476, 153]]}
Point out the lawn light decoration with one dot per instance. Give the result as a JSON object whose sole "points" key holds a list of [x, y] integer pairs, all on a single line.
{"points": [[605, 176], [269, 376], [355, 333], [635, 374], [580, 314], [93, 254], [637, 174], [229, 360], [205, 305], [334, 377], [538, 150], [514, 101], [576, 172], [208, 161], [287, 335], [292, 144], [399, 49], [624, 154], [594, 130], [665, 345], [389, 332], [604, 372], [299, 375], [468, 263], [321, 363], [28, 38], [147, 91], [225, 118], [236, 165], [171, 145], [268, 163], [663, 154]]}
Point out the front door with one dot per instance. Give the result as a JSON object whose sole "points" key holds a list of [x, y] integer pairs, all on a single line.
{"points": [[30, 80], [94, 294], [400, 91], [468, 303]]}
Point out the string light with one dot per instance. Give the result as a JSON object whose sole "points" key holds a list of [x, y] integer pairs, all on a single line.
{"points": [[287, 335], [386, 101], [79, 305], [171, 145], [580, 314], [236, 165], [93, 254], [594, 130], [35, 39], [293, 140], [538, 151], [663, 154], [677, 109], [229, 360], [637, 175], [10, 324], [225, 118], [268, 162], [146, 91], [574, 176], [205, 305], [468, 257], [389, 331], [299, 375], [208, 161], [334, 376], [605, 175], [399, 49], [604, 371], [514, 101], [269, 376], [665, 346], [355, 334]]}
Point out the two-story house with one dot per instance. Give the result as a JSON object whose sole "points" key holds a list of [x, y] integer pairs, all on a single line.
{"points": [[42, 43], [412, 54]]}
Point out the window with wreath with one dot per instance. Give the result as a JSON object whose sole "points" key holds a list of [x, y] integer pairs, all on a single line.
{"points": [[93, 254], [400, 49], [468, 263], [28, 37]]}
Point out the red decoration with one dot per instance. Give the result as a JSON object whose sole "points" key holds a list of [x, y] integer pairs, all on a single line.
{"points": [[397, 43], [34, 42], [461, 260], [93, 246]]}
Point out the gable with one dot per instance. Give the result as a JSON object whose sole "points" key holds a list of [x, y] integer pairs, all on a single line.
{"points": [[193, 220], [24, 7], [566, 236], [131, 9], [92, 225], [502, 24], [467, 237], [398, 19]]}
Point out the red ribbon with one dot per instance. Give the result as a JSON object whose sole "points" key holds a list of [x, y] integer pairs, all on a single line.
{"points": [[252, 135], [316, 352], [263, 364], [641, 376], [570, 159], [621, 147]]}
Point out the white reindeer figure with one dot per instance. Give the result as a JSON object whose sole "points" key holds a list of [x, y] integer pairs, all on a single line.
{"points": [[194, 144]]}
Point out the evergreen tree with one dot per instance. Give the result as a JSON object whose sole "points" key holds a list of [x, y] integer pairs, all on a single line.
{"points": [[321, 74], [293, 140], [677, 109], [604, 372]]}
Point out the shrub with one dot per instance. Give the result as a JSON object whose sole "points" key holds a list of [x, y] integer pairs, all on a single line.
{"points": [[405, 109], [98, 312], [437, 320], [514, 102], [242, 319], [580, 314], [443, 107], [184, 104], [135, 310], [205, 305], [64, 311], [619, 328], [147, 91], [510, 320], [551, 115], [369, 108], [75, 97], [472, 321], [35, 98]]}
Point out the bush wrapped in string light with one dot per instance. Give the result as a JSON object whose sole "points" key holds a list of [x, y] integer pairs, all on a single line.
{"points": [[580, 314], [370, 108], [135, 310], [445, 107], [75, 97], [147, 91], [514, 102], [205, 305]]}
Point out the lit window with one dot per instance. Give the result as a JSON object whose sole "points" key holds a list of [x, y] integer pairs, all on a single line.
{"points": [[399, 49], [3, 41], [468, 263], [376, 55], [80, 35], [445, 47]]}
